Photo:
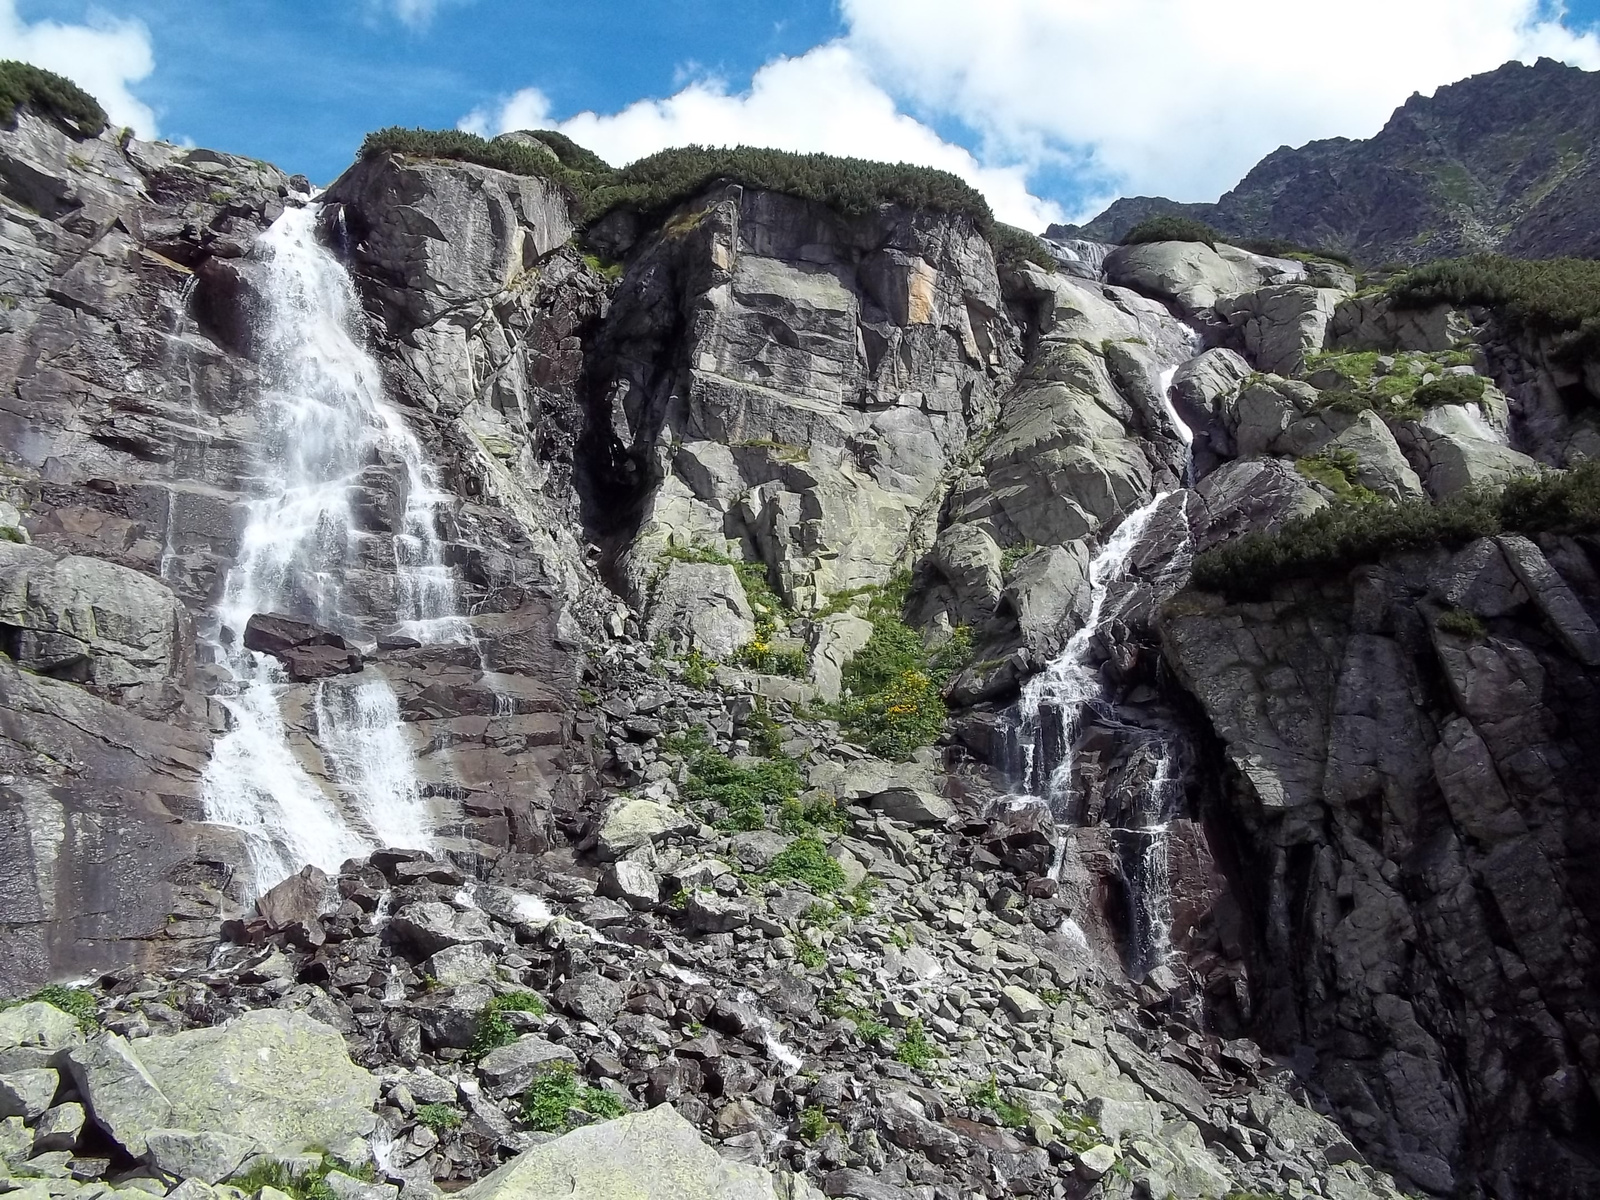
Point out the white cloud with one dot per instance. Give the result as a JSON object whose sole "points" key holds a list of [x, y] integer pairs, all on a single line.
{"points": [[823, 100], [1182, 97], [414, 14], [104, 57]]}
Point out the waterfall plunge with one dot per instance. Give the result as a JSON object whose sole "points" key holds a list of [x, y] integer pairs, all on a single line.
{"points": [[324, 421]]}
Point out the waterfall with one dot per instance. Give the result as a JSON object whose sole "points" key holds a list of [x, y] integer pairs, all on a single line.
{"points": [[310, 548], [1053, 701], [1049, 718]]}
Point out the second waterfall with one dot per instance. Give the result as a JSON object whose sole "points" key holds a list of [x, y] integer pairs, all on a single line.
{"points": [[312, 547]]}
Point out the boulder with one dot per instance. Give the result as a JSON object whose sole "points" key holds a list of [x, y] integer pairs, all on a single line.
{"points": [[835, 639], [700, 606], [32, 1033], [707, 912], [26, 1094], [508, 1070], [208, 1157], [915, 806], [1264, 410], [1193, 275], [653, 1155], [283, 1076], [432, 925], [631, 822], [1380, 465], [633, 883], [1373, 323], [467, 962], [1453, 450], [591, 997], [59, 1128], [1282, 324], [295, 906], [306, 650]]}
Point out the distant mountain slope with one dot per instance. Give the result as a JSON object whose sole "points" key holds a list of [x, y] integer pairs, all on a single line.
{"points": [[1504, 161]]}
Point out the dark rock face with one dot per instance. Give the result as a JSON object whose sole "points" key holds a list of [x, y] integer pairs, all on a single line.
{"points": [[307, 650], [1416, 829], [1497, 162]]}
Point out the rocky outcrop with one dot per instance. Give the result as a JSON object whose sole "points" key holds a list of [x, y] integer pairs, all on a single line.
{"points": [[789, 385], [1413, 850]]}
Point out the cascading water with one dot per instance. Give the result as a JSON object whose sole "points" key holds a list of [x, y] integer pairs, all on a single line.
{"points": [[1049, 720], [325, 422]]}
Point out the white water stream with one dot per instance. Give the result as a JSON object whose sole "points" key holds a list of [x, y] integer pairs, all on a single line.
{"points": [[1049, 718], [324, 421]]}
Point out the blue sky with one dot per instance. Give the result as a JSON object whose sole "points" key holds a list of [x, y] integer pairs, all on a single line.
{"points": [[1052, 107]]}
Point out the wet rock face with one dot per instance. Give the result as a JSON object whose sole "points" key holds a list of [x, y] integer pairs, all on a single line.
{"points": [[1413, 806]]}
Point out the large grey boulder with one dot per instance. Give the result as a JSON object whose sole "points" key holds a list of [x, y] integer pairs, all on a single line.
{"points": [[32, 1033], [654, 1155], [1453, 450], [93, 622], [26, 1094], [1381, 467], [508, 1070], [208, 1157], [631, 822], [700, 606], [1193, 275], [1257, 494], [1373, 323], [835, 640], [279, 1077], [1282, 324], [1264, 410]]}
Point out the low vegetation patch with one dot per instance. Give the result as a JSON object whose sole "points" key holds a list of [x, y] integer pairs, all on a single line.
{"points": [[305, 1184], [1016, 246], [1400, 386], [1335, 468], [75, 1002], [551, 1101], [740, 795], [1343, 535], [494, 1030], [47, 94], [1463, 624], [914, 1049], [988, 1096], [441, 1118], [893, 687], [806, 859], [1553, 297], [1170, 229]]}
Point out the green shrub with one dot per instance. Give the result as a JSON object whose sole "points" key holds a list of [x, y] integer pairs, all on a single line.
{"points": [[306, 1184], [803, 816], [744, 793], [762, 656], [810, 954], [654, 185], [1555, 297], [1451, 389], [893, 686], [75, 1002], [459, 146], [47, 94], [698, 670], [494, 1030], [806, 859], [987, 1095], [914, 1049], [1170, 229], [814, 1123], [573, 156], [1342, 536], [1335, 468], [441, 1118], [1017, 246], [1463, 624], [550, 1100]]}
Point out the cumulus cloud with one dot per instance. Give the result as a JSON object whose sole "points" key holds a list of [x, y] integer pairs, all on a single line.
{"points": [[104, 57], [414, 14], [1182, 97], [824, 100]]}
